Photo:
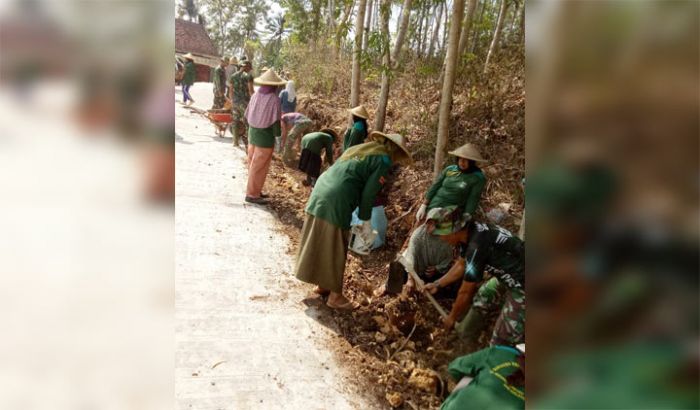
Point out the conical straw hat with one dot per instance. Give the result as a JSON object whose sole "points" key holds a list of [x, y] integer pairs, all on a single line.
{"points": [[397, 139], [189, 55], [359, 111], [269, 77], [468, 151]]}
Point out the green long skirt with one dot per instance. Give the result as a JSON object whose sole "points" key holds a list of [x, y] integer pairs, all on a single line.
{"points": [[323, 250]]}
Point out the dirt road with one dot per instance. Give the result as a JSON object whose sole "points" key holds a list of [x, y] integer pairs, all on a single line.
{"points": [[244, 339]]}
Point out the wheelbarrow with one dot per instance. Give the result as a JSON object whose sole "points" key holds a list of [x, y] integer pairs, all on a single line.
{"points": [[221, 118]]}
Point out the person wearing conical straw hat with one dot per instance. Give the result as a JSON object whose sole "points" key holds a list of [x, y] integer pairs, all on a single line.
{"points": [[358, 132], [263, 115], [353, 181], [458, 186], [188, 79], [240, 89]]}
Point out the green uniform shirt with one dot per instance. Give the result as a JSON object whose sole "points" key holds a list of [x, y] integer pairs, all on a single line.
{"points": [[264, 137], [220, 79], [239, 82], [456, 188], [354, 135], [317, 141], [354, 180], [190, 73], [489, 390]]}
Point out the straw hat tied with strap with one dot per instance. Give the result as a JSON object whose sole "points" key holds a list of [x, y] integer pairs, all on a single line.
{"points": [[468, 151], [404, 156], [359, 111], [269, 77]]}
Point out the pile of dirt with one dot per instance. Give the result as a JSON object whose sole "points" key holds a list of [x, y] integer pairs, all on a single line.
{"points": [[393, 342], [396, 345]]}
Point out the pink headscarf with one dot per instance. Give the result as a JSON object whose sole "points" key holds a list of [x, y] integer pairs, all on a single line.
{"points": [[264, 108]]}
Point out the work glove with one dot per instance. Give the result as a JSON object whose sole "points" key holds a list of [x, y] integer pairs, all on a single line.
{"points": [[421, 212]]}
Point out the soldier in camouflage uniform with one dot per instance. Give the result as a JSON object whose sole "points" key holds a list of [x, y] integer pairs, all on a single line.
{"points": [[220, 84], [485, 309], [240, 90], [483, 248]]}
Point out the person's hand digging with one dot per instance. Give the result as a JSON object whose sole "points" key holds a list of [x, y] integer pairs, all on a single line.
{"points": [[432, 287], [448, 322]]}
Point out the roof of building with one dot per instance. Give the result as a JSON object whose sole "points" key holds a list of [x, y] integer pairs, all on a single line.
{"points": [[193, 38]]}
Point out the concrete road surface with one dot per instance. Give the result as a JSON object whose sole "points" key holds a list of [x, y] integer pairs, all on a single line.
{"points": [[244, 339]]}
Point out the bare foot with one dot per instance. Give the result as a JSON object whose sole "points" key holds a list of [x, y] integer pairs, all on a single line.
{"points": [[339, 302]]}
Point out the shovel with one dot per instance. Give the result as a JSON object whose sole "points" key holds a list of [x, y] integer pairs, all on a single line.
{"points": [[420, 285], [397, 277]]}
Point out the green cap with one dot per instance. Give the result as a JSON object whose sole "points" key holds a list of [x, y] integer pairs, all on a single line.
{"points": [[447, 220]]}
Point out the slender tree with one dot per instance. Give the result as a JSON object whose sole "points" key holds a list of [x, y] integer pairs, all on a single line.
{"points": [[342, 26], [380, 115], [403, 28], [466, 27], [436, 31], [447, 85], [368, 22], [477, 34], [496, 34], [357, 50]]}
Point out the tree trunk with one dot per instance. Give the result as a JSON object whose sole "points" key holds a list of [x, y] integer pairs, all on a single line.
{"points": [[380, 115], [521, 34], [331, 12], [426, 29], [368, 21], [403, 28], [341, 23], [419, 35], [447, 85], [466, 27], [445, 26], [357, 49], [496, 34], [477, 35], [516, 13], [433, 40]]}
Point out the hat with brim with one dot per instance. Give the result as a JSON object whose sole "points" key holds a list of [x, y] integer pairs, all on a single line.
{"points": [[233, 60], [331, 132], [398, 140], [447, 220], [269, 77], [468, 151], [359, 111], [188, 56]]}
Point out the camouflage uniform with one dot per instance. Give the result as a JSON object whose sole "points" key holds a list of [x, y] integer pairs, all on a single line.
{"points": [[510, 326], [492, 249], [300, 127], [219, 87], [239, 126], [485, 309]]}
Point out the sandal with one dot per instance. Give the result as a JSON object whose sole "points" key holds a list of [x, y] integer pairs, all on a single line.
{"points": [[348, 306]]}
